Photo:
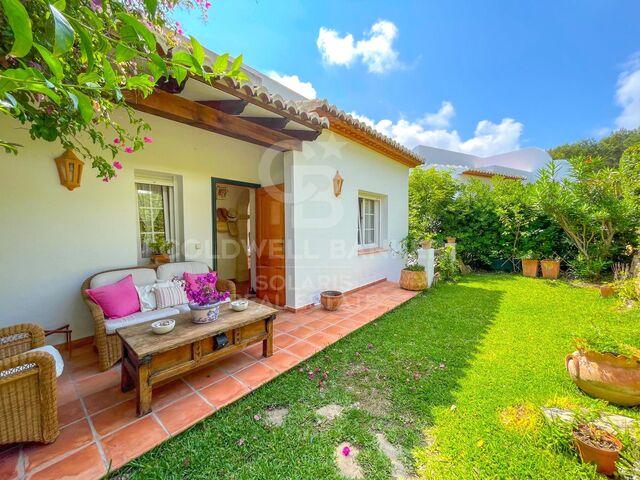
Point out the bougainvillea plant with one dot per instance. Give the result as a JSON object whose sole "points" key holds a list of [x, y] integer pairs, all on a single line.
{"points": [[67, 66], [203, 290]]}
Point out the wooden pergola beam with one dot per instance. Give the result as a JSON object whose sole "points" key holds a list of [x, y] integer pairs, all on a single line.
{"points": [[269, 122], [232, 107], [185, 111]]}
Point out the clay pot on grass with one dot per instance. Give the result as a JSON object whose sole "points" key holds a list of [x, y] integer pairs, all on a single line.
{"points": [[550, 269], [530, 267], [414, 280], [598, 447], [331, 299], [615, 378], [607, 291]]}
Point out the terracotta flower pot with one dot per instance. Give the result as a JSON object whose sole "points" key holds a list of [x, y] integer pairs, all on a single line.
{"points": [[410, 280], [161, 258], [426, 244], [607, 291], [451, 239], [550, 268], [331, 299], [614, 378], [530, 268], [604, 458]]}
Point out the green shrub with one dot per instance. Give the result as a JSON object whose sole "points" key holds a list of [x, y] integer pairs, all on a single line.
{"points": [[447, 265]]}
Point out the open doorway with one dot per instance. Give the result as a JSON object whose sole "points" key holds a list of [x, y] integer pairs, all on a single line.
{"points": [[234, 214]]}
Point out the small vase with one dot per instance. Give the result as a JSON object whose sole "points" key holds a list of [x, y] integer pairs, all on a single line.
{"points": [[204, 313]]}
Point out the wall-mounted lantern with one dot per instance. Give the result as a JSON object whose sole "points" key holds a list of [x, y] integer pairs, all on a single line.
{"points": [[69, 169], [337, 184]]}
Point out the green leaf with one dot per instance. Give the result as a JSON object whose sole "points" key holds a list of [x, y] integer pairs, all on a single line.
{"points": [[124, 53], [179, 73], [53, 63], [20, 24], [237, 63], [183, 58], [89, 78], [110, 78], [140, 82], [84, 106], [158, 67], [64, 35], [85, 44], [198, 50], [151, 6], [221, 64], [142, 31]]}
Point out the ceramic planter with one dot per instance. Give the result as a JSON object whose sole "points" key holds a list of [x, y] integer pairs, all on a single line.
{"points": [[160, 258], [530, 268], [550, 268], [204, 313], [410, 280], [607, 291], [604, 458], [614, 378], [331, 299], [426, 244]]}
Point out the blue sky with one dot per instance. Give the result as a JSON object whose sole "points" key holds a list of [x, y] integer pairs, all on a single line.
{"points": [[555, 68]]}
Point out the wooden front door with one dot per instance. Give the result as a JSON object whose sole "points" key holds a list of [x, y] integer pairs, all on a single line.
{"points": [[270, 257]]}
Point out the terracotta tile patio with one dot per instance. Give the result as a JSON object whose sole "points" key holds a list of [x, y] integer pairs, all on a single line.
{"points": [[99, 427]]}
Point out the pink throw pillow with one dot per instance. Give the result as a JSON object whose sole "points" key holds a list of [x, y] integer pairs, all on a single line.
{"points": [[118, 299], [190, 278]]}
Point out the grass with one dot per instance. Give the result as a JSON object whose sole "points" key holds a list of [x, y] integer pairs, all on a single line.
{"points": [[455, 377]]}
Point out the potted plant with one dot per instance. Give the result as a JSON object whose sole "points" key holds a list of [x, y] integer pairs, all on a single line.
{"points": [[204, 299], [160, 249], [597, 446], [529, 264], [331, 299], [605, 368], [451, 239], [427, 240], [550, 267], [413, 276]]}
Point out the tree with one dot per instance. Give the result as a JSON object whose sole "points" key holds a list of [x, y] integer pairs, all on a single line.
{"points": [[65, 68], [609, 148], [430, 191], [591, 207]]}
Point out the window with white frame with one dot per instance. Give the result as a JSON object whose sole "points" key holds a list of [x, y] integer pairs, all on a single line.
{"points": [[156, 213], [368, 221]]}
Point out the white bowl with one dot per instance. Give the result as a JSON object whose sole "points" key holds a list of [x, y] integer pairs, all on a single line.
{"points": [[240, 305], [163, 326]]}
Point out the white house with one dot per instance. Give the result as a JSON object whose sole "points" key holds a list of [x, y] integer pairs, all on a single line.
{"points": [[239, 177], [523, 164]]}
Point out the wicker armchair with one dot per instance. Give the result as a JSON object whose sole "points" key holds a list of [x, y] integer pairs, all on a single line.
{"points": [[108, 345], [28, 391]]}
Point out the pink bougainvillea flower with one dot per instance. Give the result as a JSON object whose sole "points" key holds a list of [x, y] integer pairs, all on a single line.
{"points": [[346, 451], [105, 179], [128, 149], [311, 375], [151, 78], [117, 165], [148, 140], [207, 5], [116, 141], [257, 418]]}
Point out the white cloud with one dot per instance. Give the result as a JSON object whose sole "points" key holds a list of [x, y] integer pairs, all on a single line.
{"points": [[488, 139], [375, 50], [294, 83], [628, 94]]}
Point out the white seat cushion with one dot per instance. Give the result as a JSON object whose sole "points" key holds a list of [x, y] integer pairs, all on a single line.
{"points": [[53, 351], [141, 276], [139, 317], [168, 271]]}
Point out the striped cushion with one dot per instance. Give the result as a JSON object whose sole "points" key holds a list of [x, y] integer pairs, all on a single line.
{"points": [[170, 296]]}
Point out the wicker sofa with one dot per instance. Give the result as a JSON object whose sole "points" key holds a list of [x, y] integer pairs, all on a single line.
{"points": [[28, 390], [106, 340]]}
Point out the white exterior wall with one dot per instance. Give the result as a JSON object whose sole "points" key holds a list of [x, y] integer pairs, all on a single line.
{"points": [[51, 239], [322, 250]]}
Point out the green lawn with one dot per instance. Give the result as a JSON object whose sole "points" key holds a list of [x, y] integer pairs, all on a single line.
{"points": [[484, 344]]}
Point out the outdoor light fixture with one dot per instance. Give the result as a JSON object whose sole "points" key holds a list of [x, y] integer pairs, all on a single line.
{"points": [[69, 169], [337, 184]]}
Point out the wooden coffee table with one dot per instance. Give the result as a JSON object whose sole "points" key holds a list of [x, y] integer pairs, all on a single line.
{"points": [[149, 359]]}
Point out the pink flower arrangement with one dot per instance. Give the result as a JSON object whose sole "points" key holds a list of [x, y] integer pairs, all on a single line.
{"points": [[203, 290]]}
